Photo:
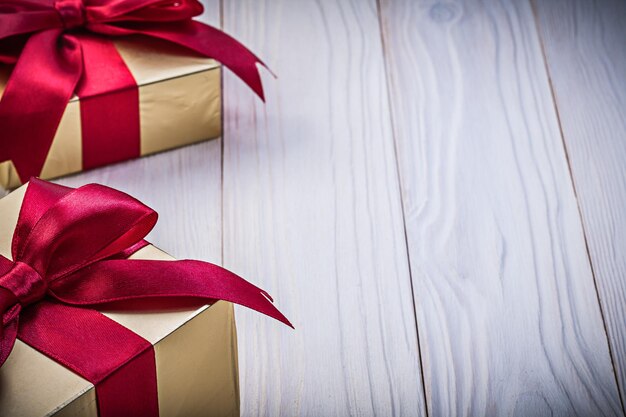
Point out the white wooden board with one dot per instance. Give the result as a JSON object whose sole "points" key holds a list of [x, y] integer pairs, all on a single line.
{"points": [[507, 310], [585, 47], [312, 211]]}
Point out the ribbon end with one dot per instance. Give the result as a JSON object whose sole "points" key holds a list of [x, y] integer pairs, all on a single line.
{"points": [[275, 313], [259, 90], [280, 317], [255, 82], [266, 294], [264, 65]]}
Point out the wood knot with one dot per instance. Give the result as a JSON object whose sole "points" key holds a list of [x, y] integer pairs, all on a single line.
{"points": [[443, 12]]}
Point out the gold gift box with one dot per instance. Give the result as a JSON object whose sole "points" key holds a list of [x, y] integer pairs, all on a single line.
{"points": [[179, 104], [195, 349]]}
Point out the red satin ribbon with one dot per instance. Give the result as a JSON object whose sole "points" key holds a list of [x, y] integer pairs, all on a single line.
{"points": [[69, 254], [63, 47]]}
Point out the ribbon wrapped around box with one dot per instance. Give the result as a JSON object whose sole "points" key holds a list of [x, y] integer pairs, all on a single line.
{"points": [[75, 253], [85, 83]]}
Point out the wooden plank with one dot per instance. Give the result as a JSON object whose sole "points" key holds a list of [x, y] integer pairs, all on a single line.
{"points": [[507, 310], [585, 47], [312, 211]]}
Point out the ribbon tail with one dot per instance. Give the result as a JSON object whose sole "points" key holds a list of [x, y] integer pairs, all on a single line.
{"points": [[216, 44], [203, 39], [112, 281], [39, 89]]}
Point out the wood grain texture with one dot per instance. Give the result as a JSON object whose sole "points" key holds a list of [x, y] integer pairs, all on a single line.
{"points": [[312, 211], [585, 48], [507, 310]]}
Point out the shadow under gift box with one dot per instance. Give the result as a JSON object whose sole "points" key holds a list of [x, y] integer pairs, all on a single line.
{"points": [[195, 349], [179, 104]]}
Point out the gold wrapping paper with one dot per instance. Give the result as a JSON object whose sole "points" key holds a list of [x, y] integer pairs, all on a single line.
{"points": [[196, 357], [179, 104]]}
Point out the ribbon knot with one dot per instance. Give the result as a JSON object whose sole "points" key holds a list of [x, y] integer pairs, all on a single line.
{"points": [[25, 283], [72, 13]]}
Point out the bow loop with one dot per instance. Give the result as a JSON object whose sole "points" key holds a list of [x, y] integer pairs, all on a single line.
{"points": [[84, 226]]}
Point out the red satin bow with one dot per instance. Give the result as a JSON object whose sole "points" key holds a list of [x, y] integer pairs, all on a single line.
{"points": [[69, 255], [64, 49]]}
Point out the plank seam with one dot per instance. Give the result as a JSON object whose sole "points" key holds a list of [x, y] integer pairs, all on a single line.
{"points": [[580, 215], [388, 82], [221, 11]]}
